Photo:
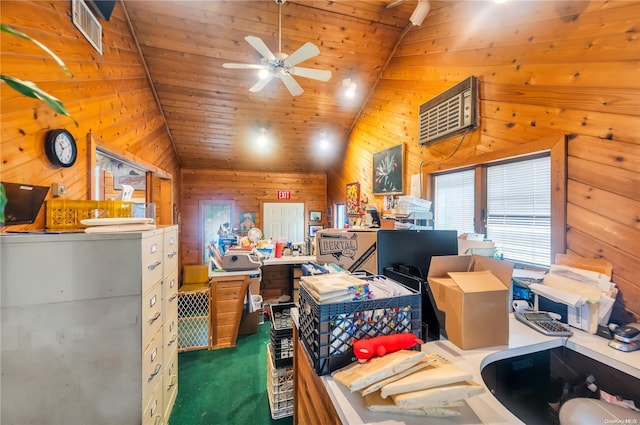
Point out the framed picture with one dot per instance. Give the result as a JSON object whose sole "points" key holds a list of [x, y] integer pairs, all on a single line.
{"points": [[315, 215], [353, 198], [388, 171], [313, 228], [247, 221]]}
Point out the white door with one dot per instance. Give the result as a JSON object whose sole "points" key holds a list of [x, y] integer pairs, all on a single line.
{"points": [[283, 219]]}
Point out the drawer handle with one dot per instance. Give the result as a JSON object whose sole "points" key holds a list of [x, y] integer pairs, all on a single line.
{"points": [[173, 339], [154, 318], [155, 372], [154, 265], [158, 420], [173, 297], [172, 254], [174, 380]]}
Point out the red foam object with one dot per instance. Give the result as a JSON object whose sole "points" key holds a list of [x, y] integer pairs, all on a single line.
{"points": [[365, 349]]}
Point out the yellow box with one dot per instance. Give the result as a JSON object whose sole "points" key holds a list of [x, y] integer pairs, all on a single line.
{"points": [[64, 214], [196, 273]]}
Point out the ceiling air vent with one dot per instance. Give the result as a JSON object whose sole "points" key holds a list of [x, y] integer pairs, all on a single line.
{"points": [[88, 25], [449, 113]]}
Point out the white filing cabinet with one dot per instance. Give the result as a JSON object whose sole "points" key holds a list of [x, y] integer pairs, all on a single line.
{"points": [[87, 327]]}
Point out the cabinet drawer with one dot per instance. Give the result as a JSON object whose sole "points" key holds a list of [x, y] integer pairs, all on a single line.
{"points": [[170, 247], [170, 330], [152, 258], [153, 413], [151, 313], [170, 292], [152, 366], [170, 381]]}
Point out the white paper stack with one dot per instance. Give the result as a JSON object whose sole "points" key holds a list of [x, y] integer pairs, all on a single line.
{"points": [[118, 225], [410, 383], [588, 292]]}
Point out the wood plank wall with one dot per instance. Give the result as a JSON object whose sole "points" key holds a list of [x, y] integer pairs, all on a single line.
{"points": [[247, 190], [546, 70], [109, 95]]}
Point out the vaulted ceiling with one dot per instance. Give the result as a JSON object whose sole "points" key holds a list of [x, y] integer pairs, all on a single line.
{"points": [[214, 120]]}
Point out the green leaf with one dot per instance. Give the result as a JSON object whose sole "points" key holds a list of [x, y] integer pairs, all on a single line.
{"points": [[30, 89], [13, 31]]}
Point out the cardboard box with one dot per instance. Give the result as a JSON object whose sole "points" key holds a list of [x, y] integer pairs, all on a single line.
{"points": [[351, 249], [472, 291]]}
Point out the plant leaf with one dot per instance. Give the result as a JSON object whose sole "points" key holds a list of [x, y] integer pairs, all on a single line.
{"points": [[30, 89], [13, 31]]}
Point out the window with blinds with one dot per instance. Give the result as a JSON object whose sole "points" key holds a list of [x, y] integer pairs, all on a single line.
{"points": [[518, 210], [517, 207], [454, 201]]}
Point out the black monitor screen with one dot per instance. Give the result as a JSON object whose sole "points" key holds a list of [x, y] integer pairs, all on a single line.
{"points": [[414, 248], [23, 203]]}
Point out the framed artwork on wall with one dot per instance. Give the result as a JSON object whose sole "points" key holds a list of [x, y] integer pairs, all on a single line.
{"points": [[353, 198], [313, 228], [247, 221], [388, 171], [315, 215]]}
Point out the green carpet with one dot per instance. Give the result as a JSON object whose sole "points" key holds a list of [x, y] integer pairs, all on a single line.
{"points": [[226, 386]]}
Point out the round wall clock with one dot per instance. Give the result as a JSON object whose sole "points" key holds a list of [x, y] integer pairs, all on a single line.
{"points": [[61, 148]]}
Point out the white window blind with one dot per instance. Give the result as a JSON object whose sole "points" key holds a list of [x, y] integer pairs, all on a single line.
{"points": [[519, 210], [454, 202]]}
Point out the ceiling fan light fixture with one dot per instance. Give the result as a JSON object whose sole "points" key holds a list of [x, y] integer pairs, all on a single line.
{"points": [[421, 11], [263, 73]]}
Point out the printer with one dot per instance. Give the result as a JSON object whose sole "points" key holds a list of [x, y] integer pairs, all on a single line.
{"points": [[241, 258]]}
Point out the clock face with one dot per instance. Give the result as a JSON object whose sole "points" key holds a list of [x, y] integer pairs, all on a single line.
{"points": [[61, 148]]}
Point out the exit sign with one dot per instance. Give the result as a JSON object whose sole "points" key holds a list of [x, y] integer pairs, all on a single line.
{"points": [[284, 194]]}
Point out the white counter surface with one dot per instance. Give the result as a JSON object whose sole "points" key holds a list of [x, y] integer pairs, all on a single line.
{"points": [[484, 408]]}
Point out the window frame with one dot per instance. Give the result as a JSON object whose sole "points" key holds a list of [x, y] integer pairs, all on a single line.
{"points": [[557, 152]]}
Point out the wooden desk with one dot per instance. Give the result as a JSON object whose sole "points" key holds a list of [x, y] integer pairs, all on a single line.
{"points": [[227, 300]]}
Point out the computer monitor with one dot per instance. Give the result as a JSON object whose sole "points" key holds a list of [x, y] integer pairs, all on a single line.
{"points": [[23, 203], [414, 248], [405, 256]]}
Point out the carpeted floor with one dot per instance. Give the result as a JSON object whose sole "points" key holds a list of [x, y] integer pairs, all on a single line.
{"points": [[226, 386]]}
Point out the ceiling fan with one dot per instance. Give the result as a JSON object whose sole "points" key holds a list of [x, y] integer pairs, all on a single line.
{"points": [[281, 65]]}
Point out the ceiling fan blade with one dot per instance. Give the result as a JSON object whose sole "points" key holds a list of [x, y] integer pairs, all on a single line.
{"points": [[241, 66], [315, 74], [306, 51], [395, 3], [261, 83], [292, 85], [258, 44]]}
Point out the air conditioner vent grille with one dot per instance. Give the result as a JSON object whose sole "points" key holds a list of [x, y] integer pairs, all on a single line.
{"points": [[88, 25], [449, 113]]}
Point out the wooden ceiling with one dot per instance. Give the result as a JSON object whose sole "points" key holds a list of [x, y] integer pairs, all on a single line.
{"points": [[212, 117]]}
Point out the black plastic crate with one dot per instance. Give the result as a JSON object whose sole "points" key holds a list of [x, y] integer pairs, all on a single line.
{"points": [[281, 321], [327, 330]]}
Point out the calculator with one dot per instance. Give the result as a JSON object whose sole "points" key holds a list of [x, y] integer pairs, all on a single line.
{"points": [[543, 323]]}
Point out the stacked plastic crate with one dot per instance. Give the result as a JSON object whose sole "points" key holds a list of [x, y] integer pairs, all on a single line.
{"points": [[280, 361]]}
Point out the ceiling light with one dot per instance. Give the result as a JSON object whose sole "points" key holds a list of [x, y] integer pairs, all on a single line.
{"points": [[263, 73], [421, 12], [324, 143], [350, 88], [262, 139]]}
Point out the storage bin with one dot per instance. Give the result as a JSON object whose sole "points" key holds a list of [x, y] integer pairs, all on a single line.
{"points": [[327, 330], [279, 387], [62, 214], [281, 332]]}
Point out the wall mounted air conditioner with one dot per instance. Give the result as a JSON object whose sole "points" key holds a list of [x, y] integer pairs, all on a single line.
{"points": [[449, 113]]}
